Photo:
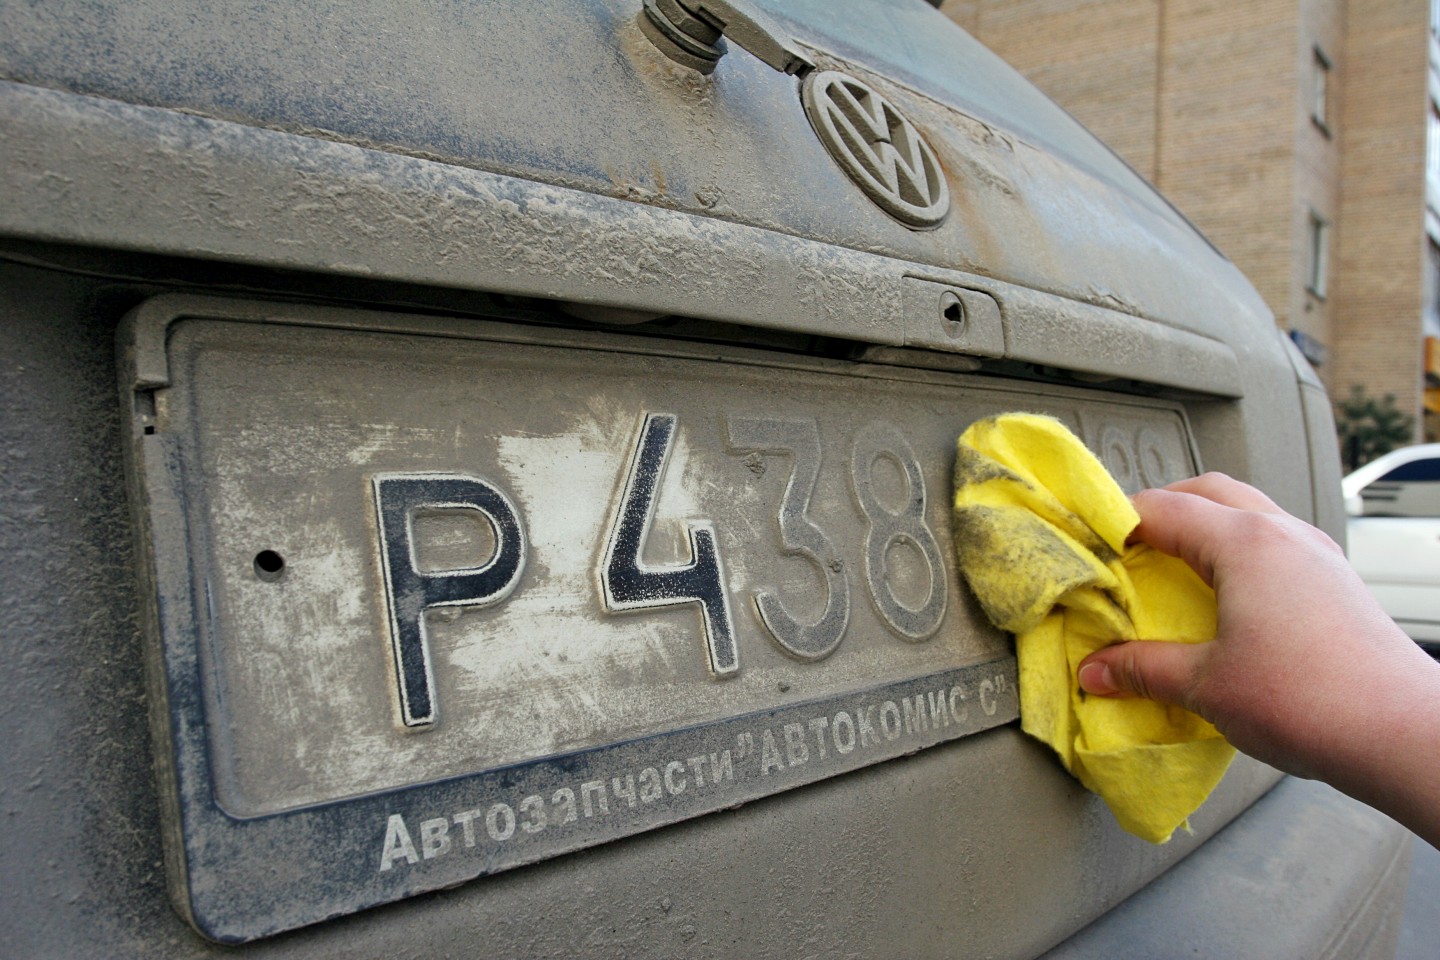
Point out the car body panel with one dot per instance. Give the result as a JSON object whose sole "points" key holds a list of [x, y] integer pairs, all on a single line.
{"points": [[482, 164]]}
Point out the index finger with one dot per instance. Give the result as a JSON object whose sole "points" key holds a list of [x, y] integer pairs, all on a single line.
{"points": [[1187, 525], [1225, 490]]}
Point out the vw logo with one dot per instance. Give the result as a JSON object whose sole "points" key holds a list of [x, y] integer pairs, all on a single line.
{"points": [[878, 148]]}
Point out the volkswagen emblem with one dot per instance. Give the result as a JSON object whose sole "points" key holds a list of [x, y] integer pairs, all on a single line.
{"points": [[878, 148]]}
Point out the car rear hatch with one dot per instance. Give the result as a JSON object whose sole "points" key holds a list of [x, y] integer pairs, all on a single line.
{"points": [[539, 453]]}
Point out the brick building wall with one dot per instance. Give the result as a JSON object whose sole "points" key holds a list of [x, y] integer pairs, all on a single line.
{"points": [[1106, 77], [1320, 40], [1226, 131], [1213, 102], [1381, 239]]}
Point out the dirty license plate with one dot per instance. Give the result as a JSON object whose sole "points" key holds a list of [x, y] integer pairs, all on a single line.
{"points": [[433, 606]]}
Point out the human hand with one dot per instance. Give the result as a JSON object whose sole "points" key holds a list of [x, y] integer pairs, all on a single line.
{"points": [[1306, 671]]}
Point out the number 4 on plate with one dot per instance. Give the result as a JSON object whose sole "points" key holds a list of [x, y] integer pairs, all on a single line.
{"points": [[629, 584]]}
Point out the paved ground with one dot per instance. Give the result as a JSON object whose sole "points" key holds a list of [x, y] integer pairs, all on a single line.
{"points": [[1420, 929]]}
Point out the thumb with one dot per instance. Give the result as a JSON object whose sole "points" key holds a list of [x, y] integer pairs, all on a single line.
{"points": [[1144, 668]]}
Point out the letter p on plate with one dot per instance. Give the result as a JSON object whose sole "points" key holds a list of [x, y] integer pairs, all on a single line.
{"points": [[410, 592]]}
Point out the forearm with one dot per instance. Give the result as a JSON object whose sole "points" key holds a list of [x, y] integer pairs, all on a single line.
{"points": [[1384, 747]]}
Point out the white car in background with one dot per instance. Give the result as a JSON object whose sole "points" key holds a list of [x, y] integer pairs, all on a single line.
{"points": [[1393, 504]]}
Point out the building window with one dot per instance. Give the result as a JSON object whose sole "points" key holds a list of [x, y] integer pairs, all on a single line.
{"points": [[1319, 105], [1432, 144], [1319, 255], [1432, 287]]}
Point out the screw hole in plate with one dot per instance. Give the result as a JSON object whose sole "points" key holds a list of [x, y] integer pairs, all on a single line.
{"points": [[269, 566]]}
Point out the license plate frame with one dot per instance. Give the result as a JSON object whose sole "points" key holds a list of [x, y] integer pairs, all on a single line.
{"points": [[239, 872]]}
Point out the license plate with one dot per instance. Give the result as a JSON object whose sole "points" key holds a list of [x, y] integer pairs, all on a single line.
{"points": [[437, 598]]}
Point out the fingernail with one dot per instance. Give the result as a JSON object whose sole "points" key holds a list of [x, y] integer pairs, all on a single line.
{"points": [[1095, 678]]}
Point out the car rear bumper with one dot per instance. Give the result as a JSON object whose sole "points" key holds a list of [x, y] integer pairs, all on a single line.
{"points": [[1306, 872]]}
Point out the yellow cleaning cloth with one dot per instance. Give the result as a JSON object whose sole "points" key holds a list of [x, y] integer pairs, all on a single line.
{"points": [[1040, 531]]}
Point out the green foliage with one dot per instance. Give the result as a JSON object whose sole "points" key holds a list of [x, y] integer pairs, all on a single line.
{"points": [[1369, 428]]}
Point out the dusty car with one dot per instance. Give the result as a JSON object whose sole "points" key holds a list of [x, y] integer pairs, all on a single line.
{"points": [[1393, 536], [476, 483]]}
